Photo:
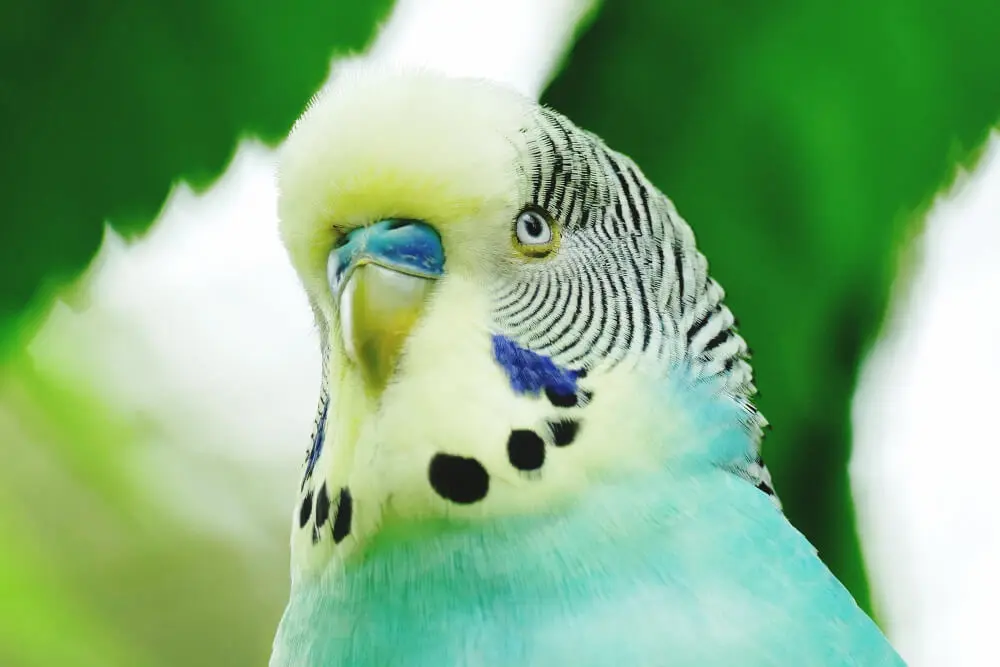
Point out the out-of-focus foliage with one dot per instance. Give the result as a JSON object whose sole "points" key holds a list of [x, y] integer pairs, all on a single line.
{"points": [[800, 140], [94, 570], [104, 105]]}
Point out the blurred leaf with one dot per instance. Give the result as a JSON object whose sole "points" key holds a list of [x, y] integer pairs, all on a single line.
{"points": [[104, 105], [36, 607], [97, 566], [800, 140]]}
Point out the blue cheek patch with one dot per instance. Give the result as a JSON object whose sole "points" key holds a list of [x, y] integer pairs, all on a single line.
{"points": [[530, 372], [318, 438]]}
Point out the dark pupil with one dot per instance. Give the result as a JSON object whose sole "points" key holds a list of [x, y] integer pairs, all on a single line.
{"points": [[533, 225]]}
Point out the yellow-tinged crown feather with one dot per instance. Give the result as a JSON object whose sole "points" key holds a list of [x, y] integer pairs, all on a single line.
{"points": [[381, 143]]}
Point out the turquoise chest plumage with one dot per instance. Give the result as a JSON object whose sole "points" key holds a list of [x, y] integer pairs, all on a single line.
{"points": [[687, 566]]}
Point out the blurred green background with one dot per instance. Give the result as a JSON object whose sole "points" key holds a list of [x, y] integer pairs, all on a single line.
{"points": [[802, 140]]}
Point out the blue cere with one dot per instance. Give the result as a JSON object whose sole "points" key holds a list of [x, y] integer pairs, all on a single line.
{"points": [[408, 246], [530, 372]]}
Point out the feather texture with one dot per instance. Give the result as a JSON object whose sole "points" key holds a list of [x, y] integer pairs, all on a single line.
{"points": [[684, 565], [565, 466]]}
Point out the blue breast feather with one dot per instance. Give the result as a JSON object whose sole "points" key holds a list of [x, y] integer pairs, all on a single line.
{"points": [[684, 566]]}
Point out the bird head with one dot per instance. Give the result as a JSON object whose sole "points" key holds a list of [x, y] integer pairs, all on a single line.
{"points": [[496, 293]]}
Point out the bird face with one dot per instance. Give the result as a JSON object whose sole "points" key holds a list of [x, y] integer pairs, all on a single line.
{"points": [[494, 290]]}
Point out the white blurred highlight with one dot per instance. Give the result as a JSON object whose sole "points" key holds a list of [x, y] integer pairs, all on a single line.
{"points": [[927, 448], [517, 42], [201, 331]]}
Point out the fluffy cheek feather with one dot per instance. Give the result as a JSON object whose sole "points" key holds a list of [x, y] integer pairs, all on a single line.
{"points": [[452, 398]]}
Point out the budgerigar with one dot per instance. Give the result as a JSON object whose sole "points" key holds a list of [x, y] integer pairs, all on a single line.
{"points": [[536, 444]]}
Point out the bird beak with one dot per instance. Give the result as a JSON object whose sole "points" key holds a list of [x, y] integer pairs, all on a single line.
{"points": [[381, 276]]}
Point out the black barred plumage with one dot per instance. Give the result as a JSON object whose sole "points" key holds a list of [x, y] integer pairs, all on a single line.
{"points": [[632, 289], [628, 283], [319, 424]]}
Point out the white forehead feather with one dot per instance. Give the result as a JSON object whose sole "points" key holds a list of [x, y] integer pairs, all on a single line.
{"points": [[376, 144]]}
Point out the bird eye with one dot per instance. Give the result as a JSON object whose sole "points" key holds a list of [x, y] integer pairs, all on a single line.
{"points": [[533, 229], [535, 233]]}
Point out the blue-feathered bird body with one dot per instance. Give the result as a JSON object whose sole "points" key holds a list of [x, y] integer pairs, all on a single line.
{"points": [[686, 565]]}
